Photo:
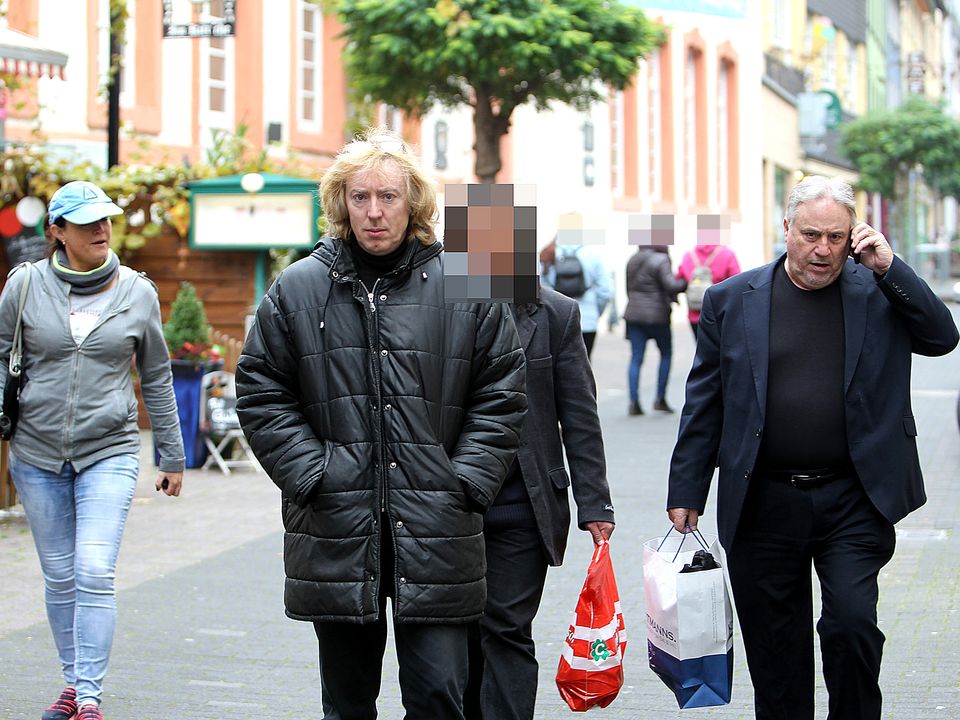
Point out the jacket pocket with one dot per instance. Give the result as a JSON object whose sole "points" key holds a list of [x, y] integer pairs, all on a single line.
{"points": [[544, 363], [910, 425], [559, 478]]}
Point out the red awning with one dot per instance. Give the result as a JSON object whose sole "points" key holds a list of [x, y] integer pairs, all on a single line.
{"points": [[23, 55]]}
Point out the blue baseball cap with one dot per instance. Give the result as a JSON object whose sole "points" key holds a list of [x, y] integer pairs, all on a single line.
{"points": [[81, 202]]}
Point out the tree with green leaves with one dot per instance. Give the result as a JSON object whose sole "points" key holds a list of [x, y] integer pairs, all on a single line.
{"points": [[493, 55], [888, 145]]}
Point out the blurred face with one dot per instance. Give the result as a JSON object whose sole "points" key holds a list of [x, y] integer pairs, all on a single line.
{"points": [[87, 246], [378, 207], [818, 242]]}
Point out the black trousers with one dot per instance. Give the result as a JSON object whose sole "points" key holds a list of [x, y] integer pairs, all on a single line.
{"points": [[432, 659], [503, 663], [433, 669], [782, 532]]}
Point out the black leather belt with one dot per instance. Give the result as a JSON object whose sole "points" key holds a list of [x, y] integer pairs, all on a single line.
{"points": [[805, 480]]}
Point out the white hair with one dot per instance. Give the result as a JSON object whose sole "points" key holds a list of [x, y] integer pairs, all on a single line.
{"points": [[814, 187]]}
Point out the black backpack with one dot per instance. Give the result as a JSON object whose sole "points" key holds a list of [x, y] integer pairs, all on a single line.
{"points": [[570, 278]]}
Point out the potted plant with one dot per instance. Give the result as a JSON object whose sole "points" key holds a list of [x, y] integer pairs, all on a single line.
{"points": [[187, 334]]}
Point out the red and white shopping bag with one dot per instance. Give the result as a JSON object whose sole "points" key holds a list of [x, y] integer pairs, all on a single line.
{"points": [[591, 664]]}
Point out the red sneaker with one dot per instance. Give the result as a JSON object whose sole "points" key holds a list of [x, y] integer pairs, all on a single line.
{"points": [[89, 712], [65, 708]]}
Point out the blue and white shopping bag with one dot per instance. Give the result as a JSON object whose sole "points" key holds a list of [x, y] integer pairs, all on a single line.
{"points": [[689, 618]]}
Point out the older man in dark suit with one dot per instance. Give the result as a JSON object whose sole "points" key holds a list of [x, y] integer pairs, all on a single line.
{"points": [[800, 392], [526, 527]]}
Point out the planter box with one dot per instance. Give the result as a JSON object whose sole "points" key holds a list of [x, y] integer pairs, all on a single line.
{"points": [[188, 389]]}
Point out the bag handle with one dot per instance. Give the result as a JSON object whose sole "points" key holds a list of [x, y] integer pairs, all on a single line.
{"points": [[697, 535], [16, 349], [602, 546]]}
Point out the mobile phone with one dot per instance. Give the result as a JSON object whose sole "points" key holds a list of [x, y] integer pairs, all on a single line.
{"points": [[854, 255]]}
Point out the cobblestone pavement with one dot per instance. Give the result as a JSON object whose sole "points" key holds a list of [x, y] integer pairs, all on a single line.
{"points": [[202, 634]]}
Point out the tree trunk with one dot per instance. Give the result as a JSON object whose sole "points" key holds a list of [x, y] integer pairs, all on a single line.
{"points": [[488, 128]]}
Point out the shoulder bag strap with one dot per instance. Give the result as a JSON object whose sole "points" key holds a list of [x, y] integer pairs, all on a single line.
{"points": [[16, 349]]}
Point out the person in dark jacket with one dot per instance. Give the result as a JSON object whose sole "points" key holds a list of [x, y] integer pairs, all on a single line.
{"points": [[526, 528], [651, 289], [800, 394], [389, 419]]}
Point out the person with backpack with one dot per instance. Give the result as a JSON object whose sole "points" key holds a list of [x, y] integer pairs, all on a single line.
{"points": [[701, 267], [651, 288], [578, 271]]}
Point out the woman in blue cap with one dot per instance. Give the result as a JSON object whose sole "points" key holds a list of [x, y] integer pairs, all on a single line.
{"points": [[74, 456]]}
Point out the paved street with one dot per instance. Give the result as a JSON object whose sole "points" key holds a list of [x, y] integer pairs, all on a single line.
{"points": [[202, 633]]}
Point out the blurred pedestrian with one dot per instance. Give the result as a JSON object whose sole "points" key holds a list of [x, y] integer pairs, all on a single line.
{"points": [[578, 271], [525, 530], [75, 453], [651, 291], [716, 263], [800, 392], [389, 419]]}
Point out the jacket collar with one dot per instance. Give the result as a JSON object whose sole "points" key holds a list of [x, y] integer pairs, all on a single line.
{"points": [[333, 253], [526, 324]]}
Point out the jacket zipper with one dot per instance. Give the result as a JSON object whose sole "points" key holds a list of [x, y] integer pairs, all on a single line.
{"points": [[75, 373], [375, 350]]}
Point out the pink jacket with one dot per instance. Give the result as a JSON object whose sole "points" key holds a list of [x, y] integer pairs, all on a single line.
{"points": [[723, 265]]}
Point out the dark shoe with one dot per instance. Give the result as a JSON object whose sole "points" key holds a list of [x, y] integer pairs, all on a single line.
{"points": [[89, 712], [662, 406], [634, 409], [65, 708]]}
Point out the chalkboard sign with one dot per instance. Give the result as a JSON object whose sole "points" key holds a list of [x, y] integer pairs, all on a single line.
{"points": [[28, 245]]}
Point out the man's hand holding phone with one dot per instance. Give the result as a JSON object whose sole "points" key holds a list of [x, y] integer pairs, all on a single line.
{"points": [[870, 247]]}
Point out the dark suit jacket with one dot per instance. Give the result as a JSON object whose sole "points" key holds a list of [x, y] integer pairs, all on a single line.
{"points": [[562, 398], [885, 321]]}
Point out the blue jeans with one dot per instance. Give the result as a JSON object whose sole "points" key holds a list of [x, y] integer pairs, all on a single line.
{"points": [[638, 334], [77, 521]]}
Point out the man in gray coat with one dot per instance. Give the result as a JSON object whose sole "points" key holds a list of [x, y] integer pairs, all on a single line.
{"points": [[526, 528]]}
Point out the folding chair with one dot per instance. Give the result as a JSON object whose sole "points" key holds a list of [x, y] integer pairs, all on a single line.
{"points": [[220, 426]]}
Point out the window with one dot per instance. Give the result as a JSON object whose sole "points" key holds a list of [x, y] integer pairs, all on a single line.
{"points": [[389, 117], [723, 135], [850, 86], [728, 129], [696, 163], [690, 126], [217, 74], [655, 123], [310, 66], [778, 210], [780, 30]]}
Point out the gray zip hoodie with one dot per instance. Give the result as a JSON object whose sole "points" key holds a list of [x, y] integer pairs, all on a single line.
{"points": [[77, 404]]}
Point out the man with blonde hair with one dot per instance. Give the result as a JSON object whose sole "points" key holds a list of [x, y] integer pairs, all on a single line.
{"points": [[389, 419]]}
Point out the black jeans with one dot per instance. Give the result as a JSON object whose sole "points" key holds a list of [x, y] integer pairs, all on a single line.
{"points": [[783, 530], [503, 664], [433, 669], [432, 659]]}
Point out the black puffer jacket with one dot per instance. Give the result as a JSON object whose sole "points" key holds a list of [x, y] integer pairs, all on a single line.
{"points": [[394, 402]]}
